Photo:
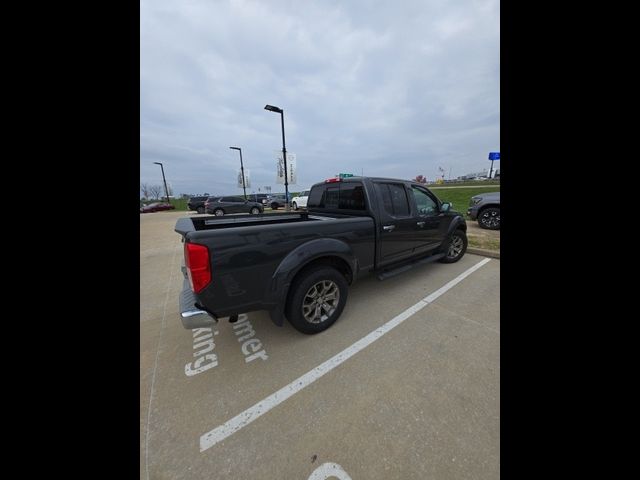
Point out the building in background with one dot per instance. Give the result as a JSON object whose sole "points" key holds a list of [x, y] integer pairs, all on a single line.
{"points": [[483, 175]]}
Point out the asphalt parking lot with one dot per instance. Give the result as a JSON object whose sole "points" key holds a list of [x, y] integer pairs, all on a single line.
{"points": [[419, 401]]}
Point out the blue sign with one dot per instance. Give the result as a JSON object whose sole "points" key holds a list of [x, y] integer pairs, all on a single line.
{"points": [[494, 155]]}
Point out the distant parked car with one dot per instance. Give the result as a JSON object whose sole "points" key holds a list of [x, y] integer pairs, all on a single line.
{"points": [[485, 208], [257, 197], [223, 205], [300, 201], [277, 201], [197, 203], [156, 207]]}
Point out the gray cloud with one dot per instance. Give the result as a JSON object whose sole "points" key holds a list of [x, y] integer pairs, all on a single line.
{"points": [[391, 89]]}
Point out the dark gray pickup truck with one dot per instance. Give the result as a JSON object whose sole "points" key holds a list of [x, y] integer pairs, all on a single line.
{"points": [[298, 266]]}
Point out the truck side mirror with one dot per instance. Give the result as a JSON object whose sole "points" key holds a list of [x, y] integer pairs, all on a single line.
{"points": [[446, 206]]}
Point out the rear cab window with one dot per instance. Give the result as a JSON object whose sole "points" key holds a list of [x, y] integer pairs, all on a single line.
{"points": [[348, 196]]}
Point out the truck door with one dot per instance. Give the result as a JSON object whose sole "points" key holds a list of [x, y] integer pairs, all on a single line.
{"points": [[429, 221], [398, 230]]}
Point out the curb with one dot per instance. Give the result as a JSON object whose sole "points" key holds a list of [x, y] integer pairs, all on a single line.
{"points": [[484, 252]]}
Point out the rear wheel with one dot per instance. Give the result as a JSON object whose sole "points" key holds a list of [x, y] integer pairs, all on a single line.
{"points": [[218, 212], [489, 218], [255, 211], [274, 206], [317, 300], [455, 248]]}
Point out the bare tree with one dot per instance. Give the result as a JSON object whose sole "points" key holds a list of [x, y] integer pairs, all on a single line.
{"points": [[421, 179], [144, 188], [155, 191]]}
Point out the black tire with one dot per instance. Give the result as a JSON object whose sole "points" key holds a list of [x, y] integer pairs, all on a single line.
{"points": [[218, 212], [274, 206], [455, 247], [200, 210], [255, 211], [489, 218], [320, 277], [294, 205]]}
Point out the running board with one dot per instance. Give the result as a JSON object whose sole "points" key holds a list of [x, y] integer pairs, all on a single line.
{"points": [[396, 271]]}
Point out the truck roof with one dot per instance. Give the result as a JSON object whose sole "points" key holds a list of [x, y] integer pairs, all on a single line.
{"points": [[361, 178]]}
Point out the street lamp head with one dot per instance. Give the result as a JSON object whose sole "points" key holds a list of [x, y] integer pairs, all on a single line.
{"points": [[271, 108], [157, 163], [235, 148]]}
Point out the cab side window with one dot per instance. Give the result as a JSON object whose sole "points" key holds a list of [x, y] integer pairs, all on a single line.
{"points": [[426, 205], [394, 199]]}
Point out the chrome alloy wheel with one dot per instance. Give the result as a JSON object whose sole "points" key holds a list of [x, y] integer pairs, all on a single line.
{"points": [[320, 301], [490, 218]]}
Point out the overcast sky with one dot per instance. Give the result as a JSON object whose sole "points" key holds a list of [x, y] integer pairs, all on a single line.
{"points": [[392, 89]]}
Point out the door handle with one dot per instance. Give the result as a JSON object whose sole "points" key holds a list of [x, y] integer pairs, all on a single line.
{"points": [[420, 224], [388, 228]]}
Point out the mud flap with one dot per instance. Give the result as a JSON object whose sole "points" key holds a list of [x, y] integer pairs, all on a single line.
{"points": [[277, 315]]}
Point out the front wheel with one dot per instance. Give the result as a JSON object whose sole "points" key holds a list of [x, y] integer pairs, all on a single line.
{"points": [[455, 248], [317, 300], [218, 212], [294, 205], [255, 211], [489, 218], [200, 210]]}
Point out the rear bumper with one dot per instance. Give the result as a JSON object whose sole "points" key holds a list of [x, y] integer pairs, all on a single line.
{"points": [[192, 316]]}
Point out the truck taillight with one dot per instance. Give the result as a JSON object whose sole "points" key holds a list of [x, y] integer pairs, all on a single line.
{"points": [[196, 258], [332, 180]]}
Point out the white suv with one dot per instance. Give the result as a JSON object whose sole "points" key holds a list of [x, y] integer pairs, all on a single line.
{"points": [[300, 201]]}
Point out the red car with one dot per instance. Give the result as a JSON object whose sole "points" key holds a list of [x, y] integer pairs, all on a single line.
{"points": [[156, 207]]}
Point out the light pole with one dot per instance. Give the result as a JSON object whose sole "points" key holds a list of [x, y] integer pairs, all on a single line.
{"points": [[271, 108], [242, 170], [166, 192]]}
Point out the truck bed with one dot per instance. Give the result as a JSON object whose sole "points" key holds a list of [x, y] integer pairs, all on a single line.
{"points": [[191, 224], [251, 254]]}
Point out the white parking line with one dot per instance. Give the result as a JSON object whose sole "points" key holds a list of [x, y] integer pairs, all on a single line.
{"points": [[243, 419]]}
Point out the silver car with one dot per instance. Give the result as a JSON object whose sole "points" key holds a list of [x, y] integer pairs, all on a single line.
{"points": [[485, 208]]}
